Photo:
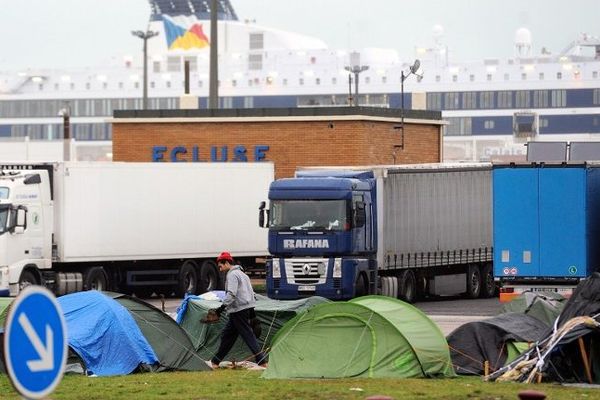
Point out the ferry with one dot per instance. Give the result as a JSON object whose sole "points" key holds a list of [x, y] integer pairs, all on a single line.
{"points": [[492, 106]]}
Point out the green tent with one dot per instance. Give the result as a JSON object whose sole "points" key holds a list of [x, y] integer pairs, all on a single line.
{"points": [[544, 306], [272, 314], [171, 344], [372, 336]]}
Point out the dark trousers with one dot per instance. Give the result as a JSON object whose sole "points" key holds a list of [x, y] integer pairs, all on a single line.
{"points": [[238, 324]]}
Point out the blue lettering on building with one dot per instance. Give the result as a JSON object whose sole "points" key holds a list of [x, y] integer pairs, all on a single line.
{"points": [[214, 153]]}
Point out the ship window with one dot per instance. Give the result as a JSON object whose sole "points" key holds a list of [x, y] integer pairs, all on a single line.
{"points": [[596, 97], [173, 64], [234, 82], [459, 127], [227, 102], [256, 41], [285, 81], [41, 86], [248, 102], [104, 85], [489, 77], [156, 66], [367, 79], [486, 100], [301, 81], [469, 100], [255, 62], [540, 98], [193, 63], [334, 81], [438, 78], [541, 76], [451, 101], [522, 99], [523, 76], [506, 77], [489, 124], [543, 122], [505, 99], [559, 75], [136, 85], [152, 84], [249, 82], [168, 84], [87, 86], [559, 98], [454, 78], [384, 79], [72, 86], [318, 81], [200, 84], [472, 78], [56, 86], [595, 74], [434, 101], [120, 85]]}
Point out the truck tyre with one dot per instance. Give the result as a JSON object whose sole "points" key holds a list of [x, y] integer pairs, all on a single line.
{"points": [[27, 278], [209, 277], [408, 286], [473, 282], [488, 287], [360, 286], [95, 278], [187, 279]]}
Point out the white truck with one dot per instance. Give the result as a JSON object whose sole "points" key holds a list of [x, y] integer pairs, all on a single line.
{"points": [[128, 227]]}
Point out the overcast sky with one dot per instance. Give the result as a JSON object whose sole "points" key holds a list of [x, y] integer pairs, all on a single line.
{"points": [[76, 33]]}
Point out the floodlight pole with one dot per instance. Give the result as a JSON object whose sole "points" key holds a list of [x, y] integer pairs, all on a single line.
{"points": [[145, 36], [412, 71]]}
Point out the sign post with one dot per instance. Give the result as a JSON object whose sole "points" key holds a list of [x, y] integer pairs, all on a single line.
{"points": [[35, 343]]}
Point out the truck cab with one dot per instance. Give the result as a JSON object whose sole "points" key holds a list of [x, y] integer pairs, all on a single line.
{"points": [[25, 213], [322, 235]]}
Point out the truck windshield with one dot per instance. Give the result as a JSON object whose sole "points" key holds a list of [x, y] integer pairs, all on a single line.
{"points": [[3, 218], [309, 215], [3, 192]]}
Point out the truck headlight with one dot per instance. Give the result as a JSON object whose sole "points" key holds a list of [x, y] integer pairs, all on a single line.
{"points": [[275, 268], [337, 268]]}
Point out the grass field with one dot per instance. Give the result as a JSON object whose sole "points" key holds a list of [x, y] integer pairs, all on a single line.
{"points": [[242, 384]]}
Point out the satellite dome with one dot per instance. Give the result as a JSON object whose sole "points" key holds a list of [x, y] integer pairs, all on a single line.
{"points": [[523, 37], [438, 30]]}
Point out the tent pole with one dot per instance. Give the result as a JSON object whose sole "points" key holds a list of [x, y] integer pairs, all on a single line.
{"points": [[584, 357]]}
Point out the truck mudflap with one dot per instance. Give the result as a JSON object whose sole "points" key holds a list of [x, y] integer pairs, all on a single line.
{"points": [[509, 293]]}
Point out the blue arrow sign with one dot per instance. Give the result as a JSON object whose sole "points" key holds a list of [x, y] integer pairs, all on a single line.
{"points": [[35, 343]]}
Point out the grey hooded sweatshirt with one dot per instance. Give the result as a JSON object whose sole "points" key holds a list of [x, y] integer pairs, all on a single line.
{"points": [[239, 293]]}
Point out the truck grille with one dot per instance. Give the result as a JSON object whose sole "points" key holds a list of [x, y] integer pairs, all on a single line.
{"points": [[305, 271]]}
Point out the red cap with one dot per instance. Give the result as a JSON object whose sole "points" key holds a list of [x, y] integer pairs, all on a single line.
{"points": [[225, 256]]}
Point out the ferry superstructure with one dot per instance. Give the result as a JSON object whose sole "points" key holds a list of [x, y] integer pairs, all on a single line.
{"points": [[492, 106]]}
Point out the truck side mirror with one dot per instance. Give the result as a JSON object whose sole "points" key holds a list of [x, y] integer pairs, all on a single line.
{"points": [[261, 214], [20, 220], [360, 217]]}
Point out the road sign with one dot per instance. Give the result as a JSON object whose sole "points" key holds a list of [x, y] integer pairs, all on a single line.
{"points": [[35, 343]]}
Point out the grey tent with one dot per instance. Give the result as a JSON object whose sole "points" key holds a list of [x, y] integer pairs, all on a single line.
{"points": [[491, 340], [545, 306]]}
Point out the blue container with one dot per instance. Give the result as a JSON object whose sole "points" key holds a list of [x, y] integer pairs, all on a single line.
{"points": [[546, 220]]}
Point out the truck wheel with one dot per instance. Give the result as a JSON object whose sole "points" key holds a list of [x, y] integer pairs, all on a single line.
{"points": [[188, 279], [209, 277], [407, 286], [95, 279], [27, 278], [360, 286], [473, 282], [488, 288]]}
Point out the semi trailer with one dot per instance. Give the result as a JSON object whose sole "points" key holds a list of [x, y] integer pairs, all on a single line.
{"points": [[403, 231], [128, 227], [546, 226]]}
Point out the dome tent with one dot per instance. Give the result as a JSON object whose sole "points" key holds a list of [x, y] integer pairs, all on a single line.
{"points": [[371, 336]]}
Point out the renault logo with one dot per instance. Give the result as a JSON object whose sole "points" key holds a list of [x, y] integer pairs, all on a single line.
{"points": [[306, 269]]}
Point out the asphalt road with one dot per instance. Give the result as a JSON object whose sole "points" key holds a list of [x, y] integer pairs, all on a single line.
{"points": [[448, 313]]}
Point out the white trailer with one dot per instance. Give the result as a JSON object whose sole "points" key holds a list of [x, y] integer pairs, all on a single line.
{"points": [[131, 227]]}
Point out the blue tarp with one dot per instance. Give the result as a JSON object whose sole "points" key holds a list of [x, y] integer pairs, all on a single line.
{"points": [[212, 295], [104, 334]]}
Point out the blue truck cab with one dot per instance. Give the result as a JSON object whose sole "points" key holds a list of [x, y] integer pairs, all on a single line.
{"points": [[322, 235]]}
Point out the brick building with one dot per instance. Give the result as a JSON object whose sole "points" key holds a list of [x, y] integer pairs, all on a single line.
{"points": [[288, 137]]}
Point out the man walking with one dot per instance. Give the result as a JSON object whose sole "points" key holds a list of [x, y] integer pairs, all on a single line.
{"points": [[239, 303]]}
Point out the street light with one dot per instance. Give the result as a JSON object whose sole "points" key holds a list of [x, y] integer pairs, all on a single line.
{"points": [[356, 69], [145, 36], [412, 71]]}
